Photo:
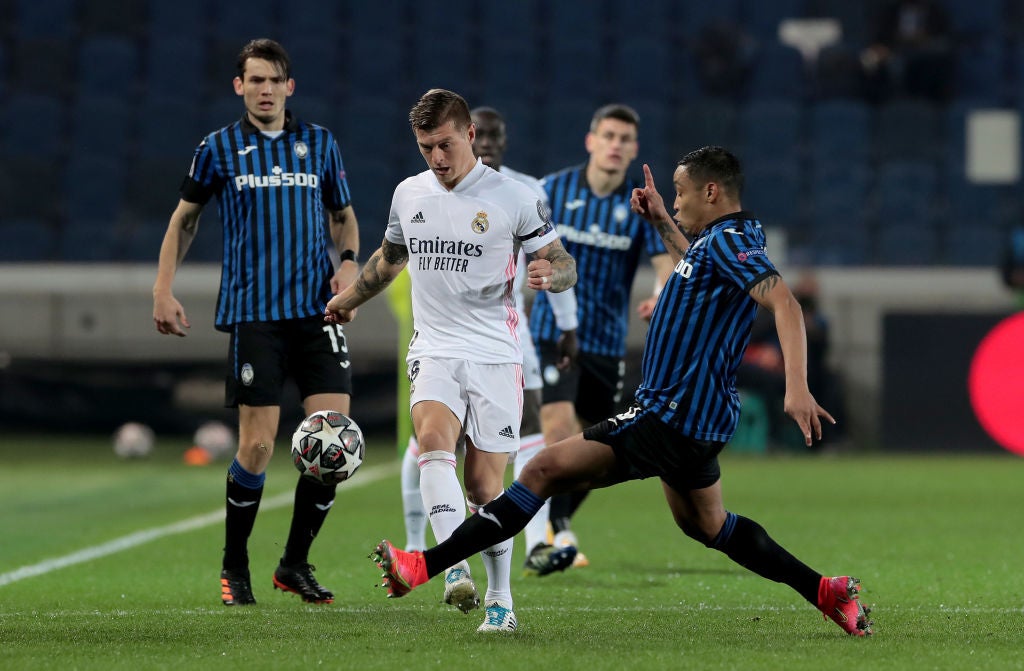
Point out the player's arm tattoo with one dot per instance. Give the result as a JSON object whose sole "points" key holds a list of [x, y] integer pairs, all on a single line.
{"points": [[563, 266], [672, 235], [381, 268], [762, 288]]}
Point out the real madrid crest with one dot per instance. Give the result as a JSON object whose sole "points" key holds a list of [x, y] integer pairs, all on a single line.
{"points": [[300, 149], [480, 223]]}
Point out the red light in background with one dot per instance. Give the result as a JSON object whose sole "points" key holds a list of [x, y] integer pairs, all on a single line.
{"points": [[996, 383]]}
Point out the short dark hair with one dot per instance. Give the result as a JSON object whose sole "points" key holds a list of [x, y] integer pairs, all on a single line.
{"points": [[438, 106], [715, 164], [615, 111], [267, 50]]}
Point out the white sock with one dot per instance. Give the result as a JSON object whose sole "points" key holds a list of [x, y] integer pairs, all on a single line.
{"points": [[412, 500], [442, 493], [498, 564], [536, 530]]}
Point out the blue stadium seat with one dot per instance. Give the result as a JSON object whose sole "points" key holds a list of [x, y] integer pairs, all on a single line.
{"points": [[379, 19], [502, 24], [762, 18], [645, 69], [221, 111], [444, 64], [508, 72], [181, 19], [838, 213], [779, 73], [152, 189], [564, 126], [908, 243], [108, 66], [319, 23], [32, 191], [980, 244], [87, 238], [839, 131], [94, 188], [693, 17], [660, 19], [837, 73], [570, 66], [240, 22], [381, 67], [703, 122], [975, 20], [374, 127], [573, 21], [26, 240], [315, 68], [980, 73], [655, 120], [118, 17], [908, 129], [170, 128], [54, 19], [175, 66], [906, 193], [144, 237], [42, 65], [773, 191], [771, 130], [35, 126], [854, 17], [102, 126]]}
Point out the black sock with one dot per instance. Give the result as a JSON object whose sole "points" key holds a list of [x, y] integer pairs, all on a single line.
{"points": [[242, 504], [312, 503], [749, 545], [499, 520], [563, 507]]}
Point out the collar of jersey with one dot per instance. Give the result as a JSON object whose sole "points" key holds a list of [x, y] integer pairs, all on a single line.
{"points": [[742, 215], [290, 124], [471, 178]]}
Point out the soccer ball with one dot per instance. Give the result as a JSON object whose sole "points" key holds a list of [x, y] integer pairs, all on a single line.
{"points": [[133, 440], [328, 447], [215, 438]]}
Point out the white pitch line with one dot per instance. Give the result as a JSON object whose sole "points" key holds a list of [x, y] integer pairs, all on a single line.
{"points": [[367, 477]]}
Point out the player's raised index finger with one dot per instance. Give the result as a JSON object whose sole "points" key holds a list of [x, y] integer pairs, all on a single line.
{"points": [[648, 177]]}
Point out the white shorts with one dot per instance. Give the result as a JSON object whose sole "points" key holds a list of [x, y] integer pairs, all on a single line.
{"points": [[487, 398]]}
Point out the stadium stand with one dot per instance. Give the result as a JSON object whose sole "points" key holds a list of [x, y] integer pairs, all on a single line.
{"points": [[96, 85]]}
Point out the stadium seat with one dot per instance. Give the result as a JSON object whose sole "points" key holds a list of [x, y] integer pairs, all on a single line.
{"points": [[116, 17], [374, 127], [48, 19], [564, 74], [837, 73], [564, 126], [94, 187], [181, 18], [108, 66], [693, 17], [907, 129], [32, 190], [144, 237], [980, 73], [175, 66], [974, 21], [771, 129], [773, 190], [503, 73], [660, 19], [26, 240], [907, 243], [35, 126], [574, 21], [381, 68], [240, 22], [762, 18], [447, 64], [905, 195], [779, 73], [102, 125], [854, 17], [646, 69], [839, 131], [838, 213], [87, 238], [42, 66], [315, 68], [703, 122], [152, 185], [171, 128], [220, 111]]}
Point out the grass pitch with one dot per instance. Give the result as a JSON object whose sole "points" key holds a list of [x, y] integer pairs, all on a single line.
{"points": [[106, 564]]}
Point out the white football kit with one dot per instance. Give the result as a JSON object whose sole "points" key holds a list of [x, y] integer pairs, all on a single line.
{"points": [[463, 247]]}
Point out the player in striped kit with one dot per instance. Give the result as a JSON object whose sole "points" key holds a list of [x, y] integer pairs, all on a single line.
{"points": [[458, 227], [590, 207], [276, 178], [686, 407]]}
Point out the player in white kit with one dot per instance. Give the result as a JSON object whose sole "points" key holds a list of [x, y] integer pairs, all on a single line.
{"points": [[458, 227]]}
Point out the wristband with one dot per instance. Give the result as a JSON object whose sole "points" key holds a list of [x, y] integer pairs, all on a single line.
{"points": [[348, 255]]}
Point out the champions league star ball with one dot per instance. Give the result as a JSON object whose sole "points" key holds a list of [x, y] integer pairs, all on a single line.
{"points": [[328, 447], [133, 440]]}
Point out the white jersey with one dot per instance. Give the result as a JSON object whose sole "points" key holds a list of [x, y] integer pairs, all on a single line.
{"points": [[463, 246]]}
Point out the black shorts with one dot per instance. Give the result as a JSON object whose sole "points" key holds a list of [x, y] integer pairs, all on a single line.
{"points": [[593, 384], [262, 354], [647, 447]]}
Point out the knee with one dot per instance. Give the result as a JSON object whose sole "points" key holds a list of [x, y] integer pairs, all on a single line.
{"points": [[434, 441]]}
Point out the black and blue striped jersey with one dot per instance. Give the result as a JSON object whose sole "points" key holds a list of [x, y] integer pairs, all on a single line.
{"points": [[272, 194], [606, 239], [701, 327]]}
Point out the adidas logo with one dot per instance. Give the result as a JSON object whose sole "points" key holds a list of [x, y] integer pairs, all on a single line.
{"points": [[418, 218], [507, 432]]}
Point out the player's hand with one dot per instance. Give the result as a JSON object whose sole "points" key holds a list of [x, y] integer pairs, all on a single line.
{"points": [[538, 274], [806, 412], [345, 277], [646, 308], [568, 350], [169, 316], [647, 202], [334, 313]]}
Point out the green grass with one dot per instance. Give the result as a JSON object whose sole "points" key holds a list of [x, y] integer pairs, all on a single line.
{"points": [[936, 540]]}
